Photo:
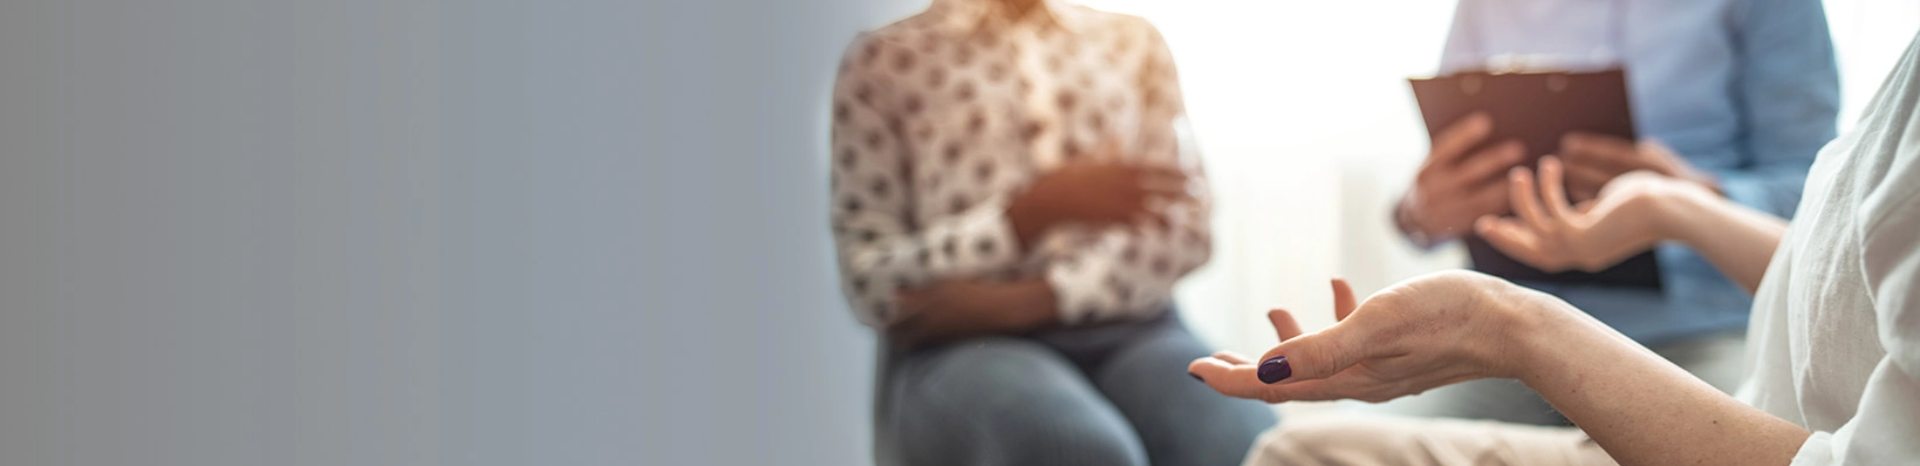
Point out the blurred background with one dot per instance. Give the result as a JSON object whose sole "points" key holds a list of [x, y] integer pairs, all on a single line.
{"points": [[577, 231]]}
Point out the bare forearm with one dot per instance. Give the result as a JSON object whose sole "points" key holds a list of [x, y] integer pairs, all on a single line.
{"points": [[1738, 240], [1034, 298], [1642, 409], [953, 309]]}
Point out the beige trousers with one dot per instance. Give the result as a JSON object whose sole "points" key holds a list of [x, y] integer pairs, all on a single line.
{"points": [[1397, 441]]}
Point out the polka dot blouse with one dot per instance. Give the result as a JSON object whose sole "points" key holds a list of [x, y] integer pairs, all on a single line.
{"points": [[940, 119]]}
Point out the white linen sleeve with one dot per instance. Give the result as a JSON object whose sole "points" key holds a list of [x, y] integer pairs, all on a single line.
{"points": [[1885, 428]]}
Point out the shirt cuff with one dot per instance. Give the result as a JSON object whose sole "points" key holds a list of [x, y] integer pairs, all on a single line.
{"points": [[1079, 285], [976, 241]]}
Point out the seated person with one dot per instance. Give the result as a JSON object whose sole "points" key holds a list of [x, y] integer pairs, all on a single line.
{"points": [[1014, 198], [1738, 95], [1834, 357]]}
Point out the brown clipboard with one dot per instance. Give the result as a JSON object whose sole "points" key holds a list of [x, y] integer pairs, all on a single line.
{"points": [[1537, 109]]}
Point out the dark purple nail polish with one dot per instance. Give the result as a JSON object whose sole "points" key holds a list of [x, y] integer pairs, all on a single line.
{"points": [[1275, 370], [1196, 377]]}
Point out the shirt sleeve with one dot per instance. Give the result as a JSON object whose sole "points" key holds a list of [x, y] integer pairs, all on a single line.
{"points": [[1887, 420], [1129, 272], [1460, 53], [1789, 90], [882, 245], [1462, 49]]}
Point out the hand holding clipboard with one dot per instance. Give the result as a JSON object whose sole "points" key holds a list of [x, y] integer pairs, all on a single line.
{"points": [[1521, 117]]}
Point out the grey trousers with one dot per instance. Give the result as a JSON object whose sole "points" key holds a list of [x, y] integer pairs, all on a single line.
{"points": [[1114, 394]]}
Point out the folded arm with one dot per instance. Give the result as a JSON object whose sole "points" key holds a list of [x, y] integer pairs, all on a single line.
{"points": [[882, 245], [1130, 270]]}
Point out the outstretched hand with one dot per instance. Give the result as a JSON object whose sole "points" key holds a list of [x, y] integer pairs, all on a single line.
{"points": [[1553, 235], [1426, 332]]}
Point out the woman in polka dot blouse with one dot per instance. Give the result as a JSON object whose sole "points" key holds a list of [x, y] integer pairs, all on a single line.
{"points": [[1014, 197]]}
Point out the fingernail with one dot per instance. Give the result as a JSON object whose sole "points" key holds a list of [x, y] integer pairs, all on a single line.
{"points": [[1275, 370], [1196, 377]]}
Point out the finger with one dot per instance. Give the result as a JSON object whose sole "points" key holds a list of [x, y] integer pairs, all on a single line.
{"points": [[1491, 163], [1169, 185], [1283, 324], [1159, 170], [1235, 380], [1452, 143], [1526, 201], [1232, 357], [1490, 197], [1600, 150], [1148, 217], [1486, 226], [1316, 355], [1597, 144], [1584, 180], [1337, 388], [1655, 149], [1511, 238], [1161, 181], [1343, 302], [1553, 189], [1354, 385]]}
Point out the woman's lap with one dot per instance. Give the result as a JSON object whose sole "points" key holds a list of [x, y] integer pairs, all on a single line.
{"points": [[1399, 441], [1182, 421], [1114, 394]]}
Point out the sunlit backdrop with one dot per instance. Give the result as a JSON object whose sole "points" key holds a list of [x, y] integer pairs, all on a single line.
{"points": [[1309, 133]]}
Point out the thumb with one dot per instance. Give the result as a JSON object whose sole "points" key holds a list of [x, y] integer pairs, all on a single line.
{"points": [[1314, 356]]}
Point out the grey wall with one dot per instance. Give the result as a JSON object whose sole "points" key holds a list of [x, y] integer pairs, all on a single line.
{"points": [[418, 232]]}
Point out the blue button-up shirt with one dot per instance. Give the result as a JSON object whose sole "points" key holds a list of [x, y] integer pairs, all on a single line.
{"points": [[1745, 89]]}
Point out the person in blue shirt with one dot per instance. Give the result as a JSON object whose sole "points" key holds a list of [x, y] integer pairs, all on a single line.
{"points": [[1736, 95]]}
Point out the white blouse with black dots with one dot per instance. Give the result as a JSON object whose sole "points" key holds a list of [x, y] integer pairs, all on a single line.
{"points": [[939, 119]]}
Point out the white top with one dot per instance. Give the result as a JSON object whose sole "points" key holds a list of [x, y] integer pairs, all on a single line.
{"points": [[1835, 338], [942, 118]]}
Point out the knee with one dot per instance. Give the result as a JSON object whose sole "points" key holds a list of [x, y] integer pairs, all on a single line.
{"points": [[1343, 441], [1322, 443], [1083, 443], [1031, 438], [1006, 401], [992, 361]]}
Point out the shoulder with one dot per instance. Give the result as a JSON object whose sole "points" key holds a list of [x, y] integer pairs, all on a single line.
{"points": [[1107, 22], [870, 51]]}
